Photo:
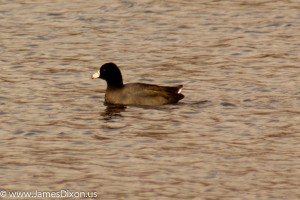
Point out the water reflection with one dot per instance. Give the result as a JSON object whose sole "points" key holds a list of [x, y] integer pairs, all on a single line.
{"points": [[113, 111]]}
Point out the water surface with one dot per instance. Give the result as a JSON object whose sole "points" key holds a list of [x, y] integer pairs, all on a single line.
{"points": [[235, 135]]}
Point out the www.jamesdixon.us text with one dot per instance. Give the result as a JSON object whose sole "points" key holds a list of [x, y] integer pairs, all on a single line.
{"points": [[48, 194]]}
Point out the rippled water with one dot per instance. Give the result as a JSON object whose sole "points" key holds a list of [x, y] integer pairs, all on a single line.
{"points": [[235, 135]]}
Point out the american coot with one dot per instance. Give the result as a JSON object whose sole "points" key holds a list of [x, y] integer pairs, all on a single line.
{"points": [[135, 93]]}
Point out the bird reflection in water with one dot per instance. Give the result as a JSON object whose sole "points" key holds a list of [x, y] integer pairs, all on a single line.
{"points": [[113, 111]]}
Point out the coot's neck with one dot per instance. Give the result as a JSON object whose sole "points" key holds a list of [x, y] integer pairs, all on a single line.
{"points": [[115, 83]]}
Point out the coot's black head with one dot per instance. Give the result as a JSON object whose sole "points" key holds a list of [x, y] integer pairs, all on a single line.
{"points": [[111, 73]]}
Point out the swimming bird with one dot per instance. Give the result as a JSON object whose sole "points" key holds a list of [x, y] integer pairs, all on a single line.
{"points": [[138, 94]]}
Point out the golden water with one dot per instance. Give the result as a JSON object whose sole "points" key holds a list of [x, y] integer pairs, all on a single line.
{"points": [[235, 135]]}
